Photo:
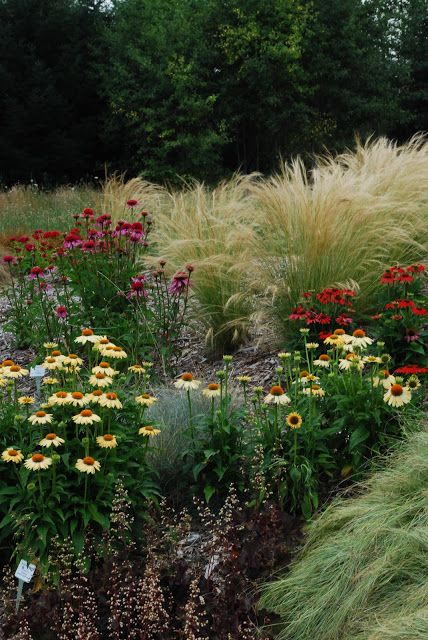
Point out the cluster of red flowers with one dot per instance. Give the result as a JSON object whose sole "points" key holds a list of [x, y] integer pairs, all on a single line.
{"points": [[45, 242], [328, 296], [407, 304], [411, 369], [401, 274]]}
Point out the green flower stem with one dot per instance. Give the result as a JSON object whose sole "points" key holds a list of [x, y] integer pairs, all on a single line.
{"points": [[189, 406]]}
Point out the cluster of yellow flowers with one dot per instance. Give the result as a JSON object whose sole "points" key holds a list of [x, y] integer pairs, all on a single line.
{"points": [[101, 376]]}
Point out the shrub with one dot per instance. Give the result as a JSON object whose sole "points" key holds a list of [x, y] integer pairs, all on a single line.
{"points": [[363, 572]]}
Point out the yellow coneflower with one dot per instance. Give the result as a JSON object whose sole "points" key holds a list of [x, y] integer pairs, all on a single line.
{"points": [[212, 390], [372, 359], [15, 371], [334, 340], [12, 455], [383, 378], [3, 382], [148, 430], [146, 399], [40, 417], [50, 345], [314, 390], [284, 355], [38, 462], [100, 380], [413, 383], [115, 352], [312, 345], [50, 381], [86, 336], [397, 395], [105, 368], [86, 416], [72, 361], [244, 379], [294, 420], [187, 382], [57, 355], [107, 441], [52, 364], [324, 360], [59, 398], [51, 440], [78, 399], [95, 396], [277, 395], [110, 400], [26, 400], [351, 361], [87, 465], [308, 377], [137, 368], [360, 339], [102, 344], [147, 364]]}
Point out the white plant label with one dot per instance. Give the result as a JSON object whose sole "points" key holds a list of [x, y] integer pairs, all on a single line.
{"points": [[38, 371], [25, 571]]}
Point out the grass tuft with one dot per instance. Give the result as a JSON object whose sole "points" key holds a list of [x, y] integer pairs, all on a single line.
{"points": [[363, 574]]}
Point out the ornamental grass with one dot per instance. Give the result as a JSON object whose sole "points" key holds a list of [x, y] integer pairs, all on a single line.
{"points": [[363, 574], [214, 230], [352, 215]]}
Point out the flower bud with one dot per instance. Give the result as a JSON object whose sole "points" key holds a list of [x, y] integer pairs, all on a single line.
{"points": [[227, 358]]}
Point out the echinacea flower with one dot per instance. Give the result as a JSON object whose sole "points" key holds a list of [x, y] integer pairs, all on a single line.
{"points": [[12, 455], [137, 368], [351, 361], [312, 345], [40, 417], [277, 395], [107, 441], [413, 383], [187, 382], [397, 395], [86, 336], [294, 420], [115, 352], [95, 396], [51, 440], [77, 399], [324, 360], [360, 339], [314, 390], [50, 381], [87, 465], [100, 380], [59, 398], [372, 359], [102, 344], [148, 430], [72, 360], [384, 378], [61, 312], [106, 368], [110, 400], [26, 400], [146, 399], [179, 282], [86, 416], [334, 340], [15, 371], [52, 364], [212, 390], [38, 462], [244, 379], [50, 345]]}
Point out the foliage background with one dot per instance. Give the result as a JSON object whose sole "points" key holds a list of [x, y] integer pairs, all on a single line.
{"points": [[201, 89]]}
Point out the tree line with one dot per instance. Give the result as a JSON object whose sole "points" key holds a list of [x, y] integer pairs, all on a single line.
{"points": [[202, 88]]}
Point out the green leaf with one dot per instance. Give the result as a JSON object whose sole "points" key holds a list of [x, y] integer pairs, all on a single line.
{"points": [[208, 492], [358, 436]]}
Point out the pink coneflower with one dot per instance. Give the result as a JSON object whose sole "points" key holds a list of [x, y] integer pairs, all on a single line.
{"points": [[138, 289], [132, 203], [179, 282], [72, 240], [88, 212], [411, 335], [88, 245], [29, 247], [35, 272], [9, 260], [61, 312]]}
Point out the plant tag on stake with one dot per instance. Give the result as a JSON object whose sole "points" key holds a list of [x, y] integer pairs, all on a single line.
{"points": [[37, 373], [24, 573]]}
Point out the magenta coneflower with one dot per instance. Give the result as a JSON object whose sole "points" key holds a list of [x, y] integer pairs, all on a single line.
{"points": [[132, 203], [61, 312], [179, 282]]}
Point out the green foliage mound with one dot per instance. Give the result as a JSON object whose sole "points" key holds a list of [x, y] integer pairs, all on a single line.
{"points": [[363, 574]]}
